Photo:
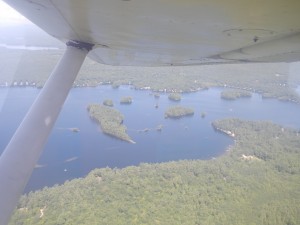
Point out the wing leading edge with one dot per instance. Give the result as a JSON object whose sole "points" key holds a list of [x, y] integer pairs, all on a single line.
{"points": [[171, 32]]}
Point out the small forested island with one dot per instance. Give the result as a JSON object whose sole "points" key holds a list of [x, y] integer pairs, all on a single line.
{"points": [[126, 100], [110, 120], [108, 102], [235, 94], [116, 84], [175, 96], [178, 111], [255, 182]]}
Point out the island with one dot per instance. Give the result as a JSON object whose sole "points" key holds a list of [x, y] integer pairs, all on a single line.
{"points": [[72, 129], [175, 97], [108, 102], [110, 121], [178, 112], [235, 94], [126, 100], [116, 84]]}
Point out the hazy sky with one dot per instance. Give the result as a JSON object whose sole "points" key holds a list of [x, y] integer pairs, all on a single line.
{"points": [[9, 16]]}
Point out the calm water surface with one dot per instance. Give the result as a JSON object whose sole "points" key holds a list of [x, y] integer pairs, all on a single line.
{"points": [[69, 155]]}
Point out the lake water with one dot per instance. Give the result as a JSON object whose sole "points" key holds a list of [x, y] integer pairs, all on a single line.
{"points": [[69, 155]]}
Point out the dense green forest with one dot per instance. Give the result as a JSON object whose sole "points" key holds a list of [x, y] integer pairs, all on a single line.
{"points": [[269, 79], [174, 96], [126, 100], [178, 111], [230, 94], [255, 182], [110, 120]]}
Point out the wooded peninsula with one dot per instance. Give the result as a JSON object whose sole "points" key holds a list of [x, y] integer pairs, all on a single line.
{"points": [[255, 182]]}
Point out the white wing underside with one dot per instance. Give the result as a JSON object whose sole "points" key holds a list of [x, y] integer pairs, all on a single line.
{"points": [[172, 32]]}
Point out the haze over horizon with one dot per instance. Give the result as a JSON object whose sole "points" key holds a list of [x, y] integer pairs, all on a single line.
{"points": [[9, 16]]}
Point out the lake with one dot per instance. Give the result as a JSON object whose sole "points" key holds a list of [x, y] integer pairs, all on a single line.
{"points": [[69, 155]]}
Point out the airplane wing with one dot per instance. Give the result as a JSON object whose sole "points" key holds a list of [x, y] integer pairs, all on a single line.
{"points": [[171, 32], [140, 33]]}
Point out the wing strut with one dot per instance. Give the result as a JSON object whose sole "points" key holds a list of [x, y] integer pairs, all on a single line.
{"points": [[21, 154]]}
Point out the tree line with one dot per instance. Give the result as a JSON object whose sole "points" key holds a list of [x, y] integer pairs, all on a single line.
{"points": [[230, 189]]}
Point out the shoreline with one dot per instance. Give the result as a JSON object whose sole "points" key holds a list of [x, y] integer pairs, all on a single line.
{"points": [[26, 84]]}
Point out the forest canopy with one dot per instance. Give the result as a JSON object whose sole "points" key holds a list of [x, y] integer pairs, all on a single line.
{"points": [[110, 120], [229, 94], [255, 182], [271, 80], [178, 112]]}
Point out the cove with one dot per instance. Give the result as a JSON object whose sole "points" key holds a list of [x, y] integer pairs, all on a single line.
{"points": [[69, 155]]}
